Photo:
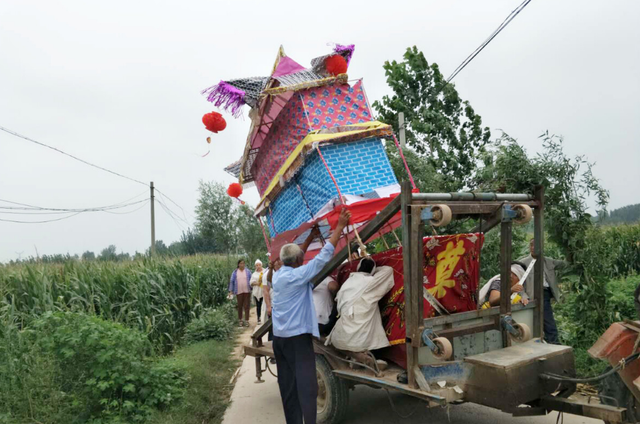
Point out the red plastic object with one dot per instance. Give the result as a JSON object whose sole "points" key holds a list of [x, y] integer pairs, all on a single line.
{"points": [[336, 65], [214, 122], [616, 344]]}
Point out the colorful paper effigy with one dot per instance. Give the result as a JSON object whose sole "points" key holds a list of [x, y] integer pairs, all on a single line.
{"points": [[313, 146]]}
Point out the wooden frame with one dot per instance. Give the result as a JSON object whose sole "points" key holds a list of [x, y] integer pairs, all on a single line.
{"points": [[489, 208]]}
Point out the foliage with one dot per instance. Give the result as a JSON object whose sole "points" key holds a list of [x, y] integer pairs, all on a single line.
{"points": [[626, 215], [216, 324], [158, 297], [97, 369], [440, 126], [210, 367], [229, 227]]}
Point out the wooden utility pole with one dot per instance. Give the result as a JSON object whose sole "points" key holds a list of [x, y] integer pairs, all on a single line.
{"points": [[153, 221], [401, 126]]}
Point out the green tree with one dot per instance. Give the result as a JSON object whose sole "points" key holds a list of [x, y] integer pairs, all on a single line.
{"points": [[439, 124], [88, 256], [250, 237], [214, 216], [108, 254], [223, 226]]}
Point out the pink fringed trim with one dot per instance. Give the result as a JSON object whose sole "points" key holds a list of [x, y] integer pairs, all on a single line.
{"points": [[226, 97], [348, 49]]}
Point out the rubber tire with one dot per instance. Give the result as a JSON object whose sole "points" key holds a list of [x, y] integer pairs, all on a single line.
{"points": [[525, 333], [525, 214], [337, 394], [445, 348], [445, 215], [614, 387]]}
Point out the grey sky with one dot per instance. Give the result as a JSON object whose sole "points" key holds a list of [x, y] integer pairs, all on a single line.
{"points": [[118, 84]]}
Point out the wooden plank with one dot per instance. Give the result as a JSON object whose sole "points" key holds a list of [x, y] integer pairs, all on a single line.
{"points": [[538, 268], [266, 350], [390, 385], [471, 315], [416, 281], [505, 275], [405, 202], [450, 333]]}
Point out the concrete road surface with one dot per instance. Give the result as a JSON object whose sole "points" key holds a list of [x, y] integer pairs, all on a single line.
{"points": [[260, 404]]}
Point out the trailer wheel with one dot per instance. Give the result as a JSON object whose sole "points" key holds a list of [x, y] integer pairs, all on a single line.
{"points": [[524, 333], [444, 345], [524, 214], [442, 215], [333, 394], [614, 392]]}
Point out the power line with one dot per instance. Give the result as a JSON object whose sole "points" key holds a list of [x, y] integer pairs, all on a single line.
{"points": [[39, 222], [8, 131], [26, 207], [171, 215], [493, 35], [168, 198]]}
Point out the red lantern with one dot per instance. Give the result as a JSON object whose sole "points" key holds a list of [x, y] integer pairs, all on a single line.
{"points": [[336, 65], [234, 190], [214, 122]]}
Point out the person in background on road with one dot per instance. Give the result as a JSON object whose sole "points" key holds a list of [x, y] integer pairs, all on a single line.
{"points": [[240, 287], [490, 292], [295, 322], [551, 291], [257, 280], [324, 301], [267, 289]]}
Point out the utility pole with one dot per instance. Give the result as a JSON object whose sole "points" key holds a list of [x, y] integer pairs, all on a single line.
{"points": [[401, 126], [153, 221]]}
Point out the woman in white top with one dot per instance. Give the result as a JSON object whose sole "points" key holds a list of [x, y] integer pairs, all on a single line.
{"points": [[257, 280]]}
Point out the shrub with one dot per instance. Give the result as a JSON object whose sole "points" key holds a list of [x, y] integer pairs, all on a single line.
{"points": [[92, 369], [217, 324]]}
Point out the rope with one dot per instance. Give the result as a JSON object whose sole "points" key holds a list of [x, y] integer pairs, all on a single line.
{"points": [[413, 184], [393, 406], [268, 367]]}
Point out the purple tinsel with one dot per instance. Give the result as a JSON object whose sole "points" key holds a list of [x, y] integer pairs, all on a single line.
{"points": [[226, 96], [346, 51]]}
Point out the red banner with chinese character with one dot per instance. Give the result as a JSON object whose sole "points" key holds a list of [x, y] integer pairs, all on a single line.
{"points": [[451, 273]]}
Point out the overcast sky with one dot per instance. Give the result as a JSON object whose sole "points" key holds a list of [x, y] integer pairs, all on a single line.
{"points": [[118, 84]]}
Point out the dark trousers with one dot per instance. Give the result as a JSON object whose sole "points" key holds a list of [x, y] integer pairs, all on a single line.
{"points": [[244, 303], [296, 363], [550, 328], [258, 307]]}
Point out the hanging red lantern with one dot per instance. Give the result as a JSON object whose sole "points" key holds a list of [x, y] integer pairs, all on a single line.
{"points": [[214, 122], [234, 190], [336, 65]]}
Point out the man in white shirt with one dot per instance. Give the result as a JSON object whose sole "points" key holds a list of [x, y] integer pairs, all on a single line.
{"points": [[359, 327], [323, 300]]}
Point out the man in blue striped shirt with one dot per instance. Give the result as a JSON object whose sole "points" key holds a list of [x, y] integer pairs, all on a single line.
{"points": [[294, 322]]}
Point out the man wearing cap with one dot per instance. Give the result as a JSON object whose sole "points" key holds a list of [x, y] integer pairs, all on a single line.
{"points": [[295, 322]]}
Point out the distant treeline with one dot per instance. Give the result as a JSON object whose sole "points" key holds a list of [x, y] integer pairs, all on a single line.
{"points": [[624, 215]]}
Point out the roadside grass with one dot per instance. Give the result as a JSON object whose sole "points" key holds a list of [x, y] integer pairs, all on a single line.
{"points": [[210, 365]]}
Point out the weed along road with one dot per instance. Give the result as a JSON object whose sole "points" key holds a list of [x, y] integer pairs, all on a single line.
{"points": [[260, 404]]}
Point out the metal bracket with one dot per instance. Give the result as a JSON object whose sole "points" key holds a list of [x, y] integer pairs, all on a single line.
{"points": [[508, 213], [426, 214], [427, 335], [508, 323]]}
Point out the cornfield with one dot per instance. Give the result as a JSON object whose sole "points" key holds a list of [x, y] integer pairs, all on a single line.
{"points": [[159, 297]]}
